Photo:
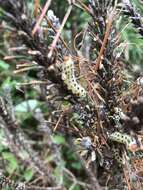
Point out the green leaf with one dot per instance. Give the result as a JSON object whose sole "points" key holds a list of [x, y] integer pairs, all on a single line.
{"points": [[8, 82], [77, 187], [57, 173], [57, 139], [76, 165], [3, 143], [26, 106], [7, 188], [4, 65], [12, 162], [28, 174]]}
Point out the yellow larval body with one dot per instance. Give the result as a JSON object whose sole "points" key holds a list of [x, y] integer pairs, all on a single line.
{"points": [[69, 78]]}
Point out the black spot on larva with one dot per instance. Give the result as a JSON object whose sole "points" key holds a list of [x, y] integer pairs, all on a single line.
{"points": [[66, 73], [68, 67], [72, 81]]}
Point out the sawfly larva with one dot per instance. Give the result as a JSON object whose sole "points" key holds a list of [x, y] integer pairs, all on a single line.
{"points": [[117, 156], [69, 78], [122, 138]]}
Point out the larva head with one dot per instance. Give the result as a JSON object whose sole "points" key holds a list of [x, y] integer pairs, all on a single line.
{"points": [[68, 63]]}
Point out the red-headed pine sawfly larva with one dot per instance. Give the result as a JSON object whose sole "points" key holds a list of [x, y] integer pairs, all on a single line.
{"points": [[69, 78]]}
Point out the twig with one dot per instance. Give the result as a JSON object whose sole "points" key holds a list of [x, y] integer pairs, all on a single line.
{"points": [[127, 180], [58, 122], [59, 32], [41, 16], [51, 25], [44, 188], [75, 180], [36, 7], [107, 32], [26, 69]]}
